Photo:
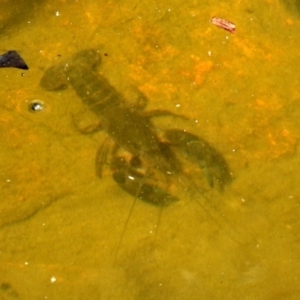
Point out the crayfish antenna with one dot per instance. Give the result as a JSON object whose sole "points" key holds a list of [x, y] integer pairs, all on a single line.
{"points": [[124, 230], [199, 196]]}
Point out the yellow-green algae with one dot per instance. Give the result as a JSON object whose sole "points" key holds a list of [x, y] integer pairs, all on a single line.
{"points": [[61, 224]]}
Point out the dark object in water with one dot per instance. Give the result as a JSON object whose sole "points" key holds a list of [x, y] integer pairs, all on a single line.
{"points": [[12, 59]]}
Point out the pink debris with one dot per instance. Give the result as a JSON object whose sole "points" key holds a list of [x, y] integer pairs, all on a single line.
{"points": [[223, 24]]}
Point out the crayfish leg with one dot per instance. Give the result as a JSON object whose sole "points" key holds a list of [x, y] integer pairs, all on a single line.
{"points": [[101, 157]]}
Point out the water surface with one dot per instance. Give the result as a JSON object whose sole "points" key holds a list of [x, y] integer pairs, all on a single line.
{"points": [[61, 225]]}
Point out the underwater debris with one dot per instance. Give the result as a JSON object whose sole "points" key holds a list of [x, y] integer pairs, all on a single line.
{"points": [[12, 59], [226, 25]]}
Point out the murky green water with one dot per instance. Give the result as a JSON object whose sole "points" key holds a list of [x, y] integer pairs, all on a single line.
{"points": [[61, 225]]}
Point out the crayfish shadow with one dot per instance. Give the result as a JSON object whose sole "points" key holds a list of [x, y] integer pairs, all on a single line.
{"points": [[195, 218], [187, 238]]}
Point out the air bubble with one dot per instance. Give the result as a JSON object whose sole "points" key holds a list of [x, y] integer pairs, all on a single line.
{"points": [[36, 106]]}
